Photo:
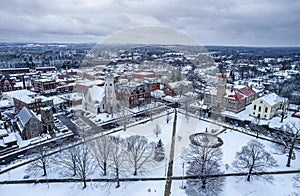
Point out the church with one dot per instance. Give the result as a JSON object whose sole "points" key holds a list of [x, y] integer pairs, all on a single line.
{"points": [[99, 99]]}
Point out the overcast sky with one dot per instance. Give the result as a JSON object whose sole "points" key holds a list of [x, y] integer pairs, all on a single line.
{"points": [[211, 22]]}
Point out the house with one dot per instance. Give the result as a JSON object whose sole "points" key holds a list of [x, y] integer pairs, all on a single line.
{"points": [[266, 107], [133, 93], [231, 98], [28, 124], [7, 83], [178, 88]]}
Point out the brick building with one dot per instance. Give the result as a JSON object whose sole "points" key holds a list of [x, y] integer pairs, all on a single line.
{"points": [[7, 83]]}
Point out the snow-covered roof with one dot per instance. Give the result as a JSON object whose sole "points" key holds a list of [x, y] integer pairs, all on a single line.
{"points": [[5, 103], [19, 93], [97, 93], [24, 116], [273, 99], [56, 100], [10, 138], [179, 83], [3, 132]]}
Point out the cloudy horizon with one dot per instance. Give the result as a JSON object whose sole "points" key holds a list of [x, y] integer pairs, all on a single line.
{"points": [[215, 22]]}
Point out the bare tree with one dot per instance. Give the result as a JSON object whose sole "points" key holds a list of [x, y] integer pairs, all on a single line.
{"points": [[123, 114], [253, 158], [139, 150], [101, 149], [203, 162], [290, 138], [67, 161], [118, 157], [85, 164], [41, 162], [157, 130], [78, 161]]}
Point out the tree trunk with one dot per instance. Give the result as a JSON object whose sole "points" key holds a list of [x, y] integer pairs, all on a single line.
{"points": [[203, 183], [44, 169], [135, 172], [74, 169], [104, 168], [249, 174], [288, 164], [282, 116], [84, 183], [117, 175]]}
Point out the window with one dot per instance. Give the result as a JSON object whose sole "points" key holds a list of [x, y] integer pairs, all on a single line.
{"points": [[261, 101], [254, 108], [259, 108], [266, 110]]}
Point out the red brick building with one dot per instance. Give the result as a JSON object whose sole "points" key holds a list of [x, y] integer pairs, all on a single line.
{"points": [[14, 71], [6, 83], [45, 86], [33, 104]]}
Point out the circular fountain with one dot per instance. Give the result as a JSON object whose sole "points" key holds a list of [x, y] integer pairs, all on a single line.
{"points": [[206, 140]]}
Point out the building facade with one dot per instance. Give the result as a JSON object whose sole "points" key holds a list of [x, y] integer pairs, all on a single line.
{"points": [[266, 107], [28, 124], [232, 98], [7, 83]]}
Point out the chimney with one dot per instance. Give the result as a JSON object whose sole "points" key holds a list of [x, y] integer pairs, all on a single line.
{"points": [[23, 80]]}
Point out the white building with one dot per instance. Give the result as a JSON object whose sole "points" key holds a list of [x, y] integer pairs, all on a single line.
{"points": [[266, 107], [100, 99]]}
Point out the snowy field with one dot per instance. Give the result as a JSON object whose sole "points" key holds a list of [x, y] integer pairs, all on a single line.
{"points": [[233, 141]]}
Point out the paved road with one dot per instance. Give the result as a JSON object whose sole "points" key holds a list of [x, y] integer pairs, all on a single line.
{"points": [[171, 159]]}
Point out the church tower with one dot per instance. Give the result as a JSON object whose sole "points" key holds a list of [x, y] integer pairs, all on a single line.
{"points": [[47, 120], [221, 90], [110, 95]]}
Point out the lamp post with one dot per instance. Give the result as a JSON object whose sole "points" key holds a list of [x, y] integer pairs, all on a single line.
{"points": [[166, 166], [182, 186]]}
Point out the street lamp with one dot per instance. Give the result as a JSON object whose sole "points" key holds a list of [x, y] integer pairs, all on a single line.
{"points": [[182, 186]]}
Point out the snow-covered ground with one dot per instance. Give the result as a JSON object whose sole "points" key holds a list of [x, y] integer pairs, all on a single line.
{"points": [[233, 142]]}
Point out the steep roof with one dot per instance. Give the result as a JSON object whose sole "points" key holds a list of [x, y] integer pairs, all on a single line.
{"points": [[97, 93], [236, 95], [25, 115]]}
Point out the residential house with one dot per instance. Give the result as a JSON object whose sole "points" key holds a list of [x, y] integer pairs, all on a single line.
{"points": [[178, 88], [266, 107], [133, 93], [7, 83]]}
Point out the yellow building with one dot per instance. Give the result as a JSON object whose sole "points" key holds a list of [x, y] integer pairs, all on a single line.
{"points": [[265, 107]]}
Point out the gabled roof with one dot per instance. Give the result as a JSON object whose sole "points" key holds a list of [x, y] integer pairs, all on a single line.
{"points": [[25, 115], [4, 76], [96, 93], [236, 95], [247, 91], [273, 99]]}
